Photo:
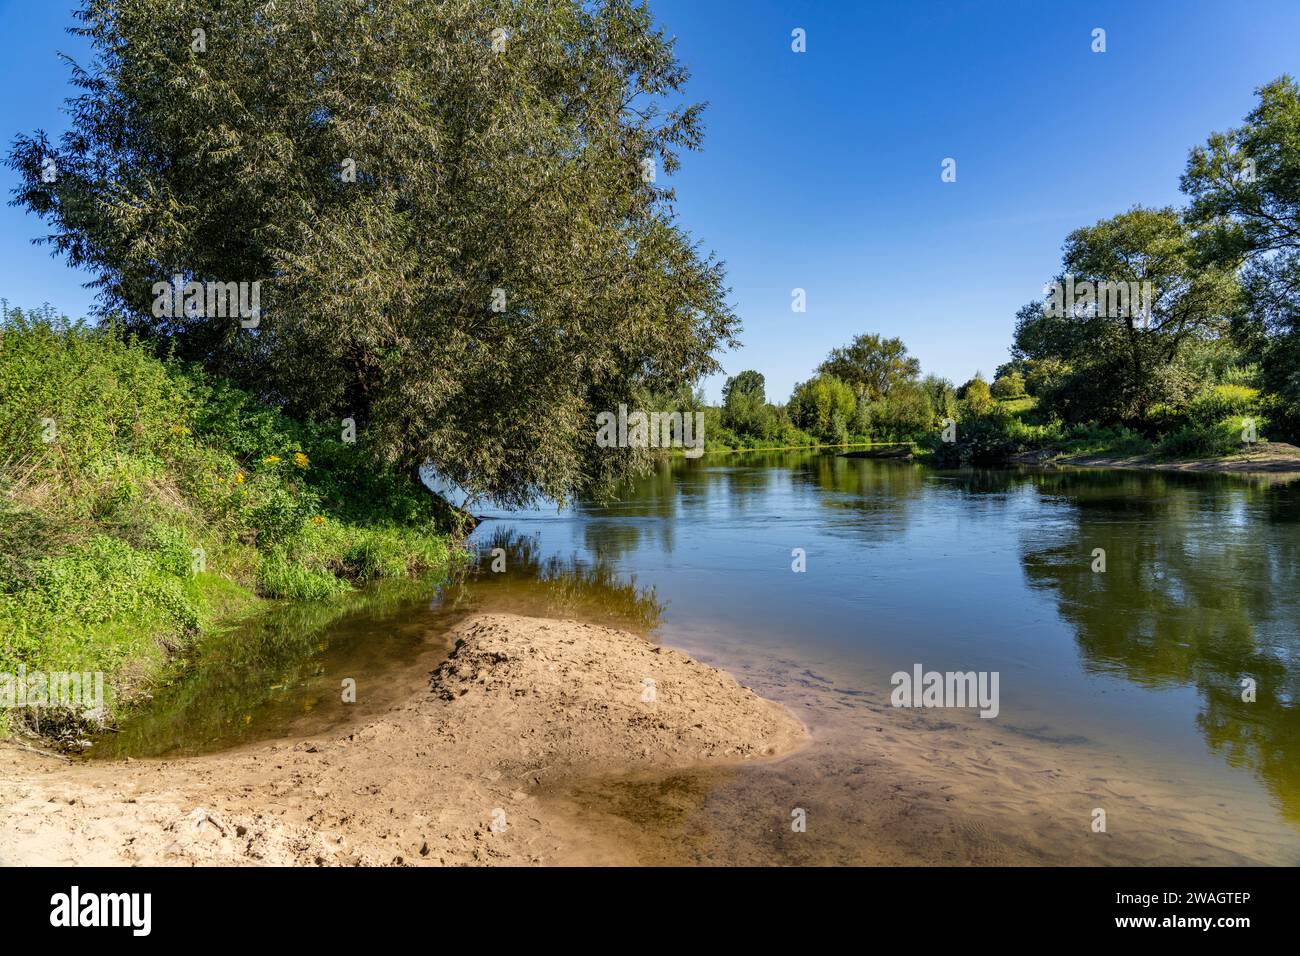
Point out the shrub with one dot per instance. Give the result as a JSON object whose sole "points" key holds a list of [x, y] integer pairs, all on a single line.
{"points": [[1010, 385], [976, 399], [1200, 440], [148, 460], [823, 406], [1221, 402], [1094, 439]]}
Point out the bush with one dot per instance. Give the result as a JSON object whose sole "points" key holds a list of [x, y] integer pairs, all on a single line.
{"points": [[976, 399], [902, 415], [140, 500], [1220, 402], [1200, 440], [1094, 439], [1010, 385], [981, 440], [823, 406]]}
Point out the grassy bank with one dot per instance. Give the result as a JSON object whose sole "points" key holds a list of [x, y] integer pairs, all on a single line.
{"points": [[143, 504], [1222, 423]]}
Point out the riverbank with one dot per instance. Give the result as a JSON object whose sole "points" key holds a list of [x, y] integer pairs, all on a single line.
{"points": [[145, 506], [454, 775], [1274, 460]]}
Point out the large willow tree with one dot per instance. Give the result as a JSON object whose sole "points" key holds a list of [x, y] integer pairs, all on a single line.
{"points": [[454, 208]]}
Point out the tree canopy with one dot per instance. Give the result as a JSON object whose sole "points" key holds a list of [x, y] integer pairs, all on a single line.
{"points": [[1245, 190], [1119, 365], [453, 208], [872, 365]]}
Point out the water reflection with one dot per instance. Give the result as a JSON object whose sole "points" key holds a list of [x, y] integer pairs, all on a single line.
{"points": [[986, 569], [534, 583], [281, 672], [1199, 590]]}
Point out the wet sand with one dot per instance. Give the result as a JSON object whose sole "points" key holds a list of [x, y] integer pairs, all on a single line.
{"points": [[539, 726], [887, 786], [450, 777]]}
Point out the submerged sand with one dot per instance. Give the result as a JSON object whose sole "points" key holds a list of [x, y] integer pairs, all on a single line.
{"points": [[541, 727], [455, 775]]}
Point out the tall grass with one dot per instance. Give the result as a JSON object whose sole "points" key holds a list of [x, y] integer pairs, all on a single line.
{"points": [[141, 502]]}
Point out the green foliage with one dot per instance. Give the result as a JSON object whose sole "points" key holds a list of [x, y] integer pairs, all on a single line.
{"points": [[942, 396], [1090, 438], [823, 407], [1045, 375], [777, 432], [981, 440], [1222, 401], [1009, 385], [164, 499], [745, 408], [1245, 191], [477, 169], [1114, 367], [872, 366], [904, 414], [976, 397], [1022, 406], [1206, 439]]}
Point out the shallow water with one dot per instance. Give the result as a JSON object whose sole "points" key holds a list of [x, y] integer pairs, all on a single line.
{"points": [[1122, 686]]}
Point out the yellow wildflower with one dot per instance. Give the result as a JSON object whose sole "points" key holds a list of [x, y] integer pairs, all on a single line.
{"points": [[239, 477], [270, 459], [318, 520], [180, 430], [300, 459]]}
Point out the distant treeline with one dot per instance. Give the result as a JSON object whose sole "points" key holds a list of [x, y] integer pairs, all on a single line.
{"points": [[1204, 358]]}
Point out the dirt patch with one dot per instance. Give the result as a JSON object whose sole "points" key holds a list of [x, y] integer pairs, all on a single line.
{"points": [[452, 776]]}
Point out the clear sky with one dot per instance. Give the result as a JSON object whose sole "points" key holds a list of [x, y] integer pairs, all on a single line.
{"points": [[821, 170]]}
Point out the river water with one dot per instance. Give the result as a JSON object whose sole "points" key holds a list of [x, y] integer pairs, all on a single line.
{"points": [[1120, 690]]}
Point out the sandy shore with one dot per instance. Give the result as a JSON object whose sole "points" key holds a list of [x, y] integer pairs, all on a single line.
{"points": [[452, 776], [1276, 461]]}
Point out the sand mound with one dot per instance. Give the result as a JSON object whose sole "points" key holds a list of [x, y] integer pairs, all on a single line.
{"points": [[450, 777]]}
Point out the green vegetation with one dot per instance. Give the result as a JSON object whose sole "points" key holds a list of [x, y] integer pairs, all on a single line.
{"points": [[460, 232], [1197, 362], [143, 502], [865, 392]]}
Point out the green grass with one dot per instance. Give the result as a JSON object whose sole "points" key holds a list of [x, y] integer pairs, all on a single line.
{"points": [[142, 504], [1022, 405]]}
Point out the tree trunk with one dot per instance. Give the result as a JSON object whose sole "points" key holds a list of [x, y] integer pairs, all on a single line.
{"points": [[457, 520]]}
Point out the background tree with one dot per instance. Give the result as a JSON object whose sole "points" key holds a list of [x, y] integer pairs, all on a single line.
{"points": [[871, 365], [744, 404], [1010, 384], [823, 406], [941, 395], [976, 399], [515, 175], [1116, 368], [1245, 191], [905, 414]]}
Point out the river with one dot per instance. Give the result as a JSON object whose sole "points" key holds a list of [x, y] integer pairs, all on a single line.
{"points": [[1121, 690]]}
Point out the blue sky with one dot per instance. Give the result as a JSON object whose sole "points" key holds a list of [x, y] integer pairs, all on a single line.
{"points": [[821, 170]]}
